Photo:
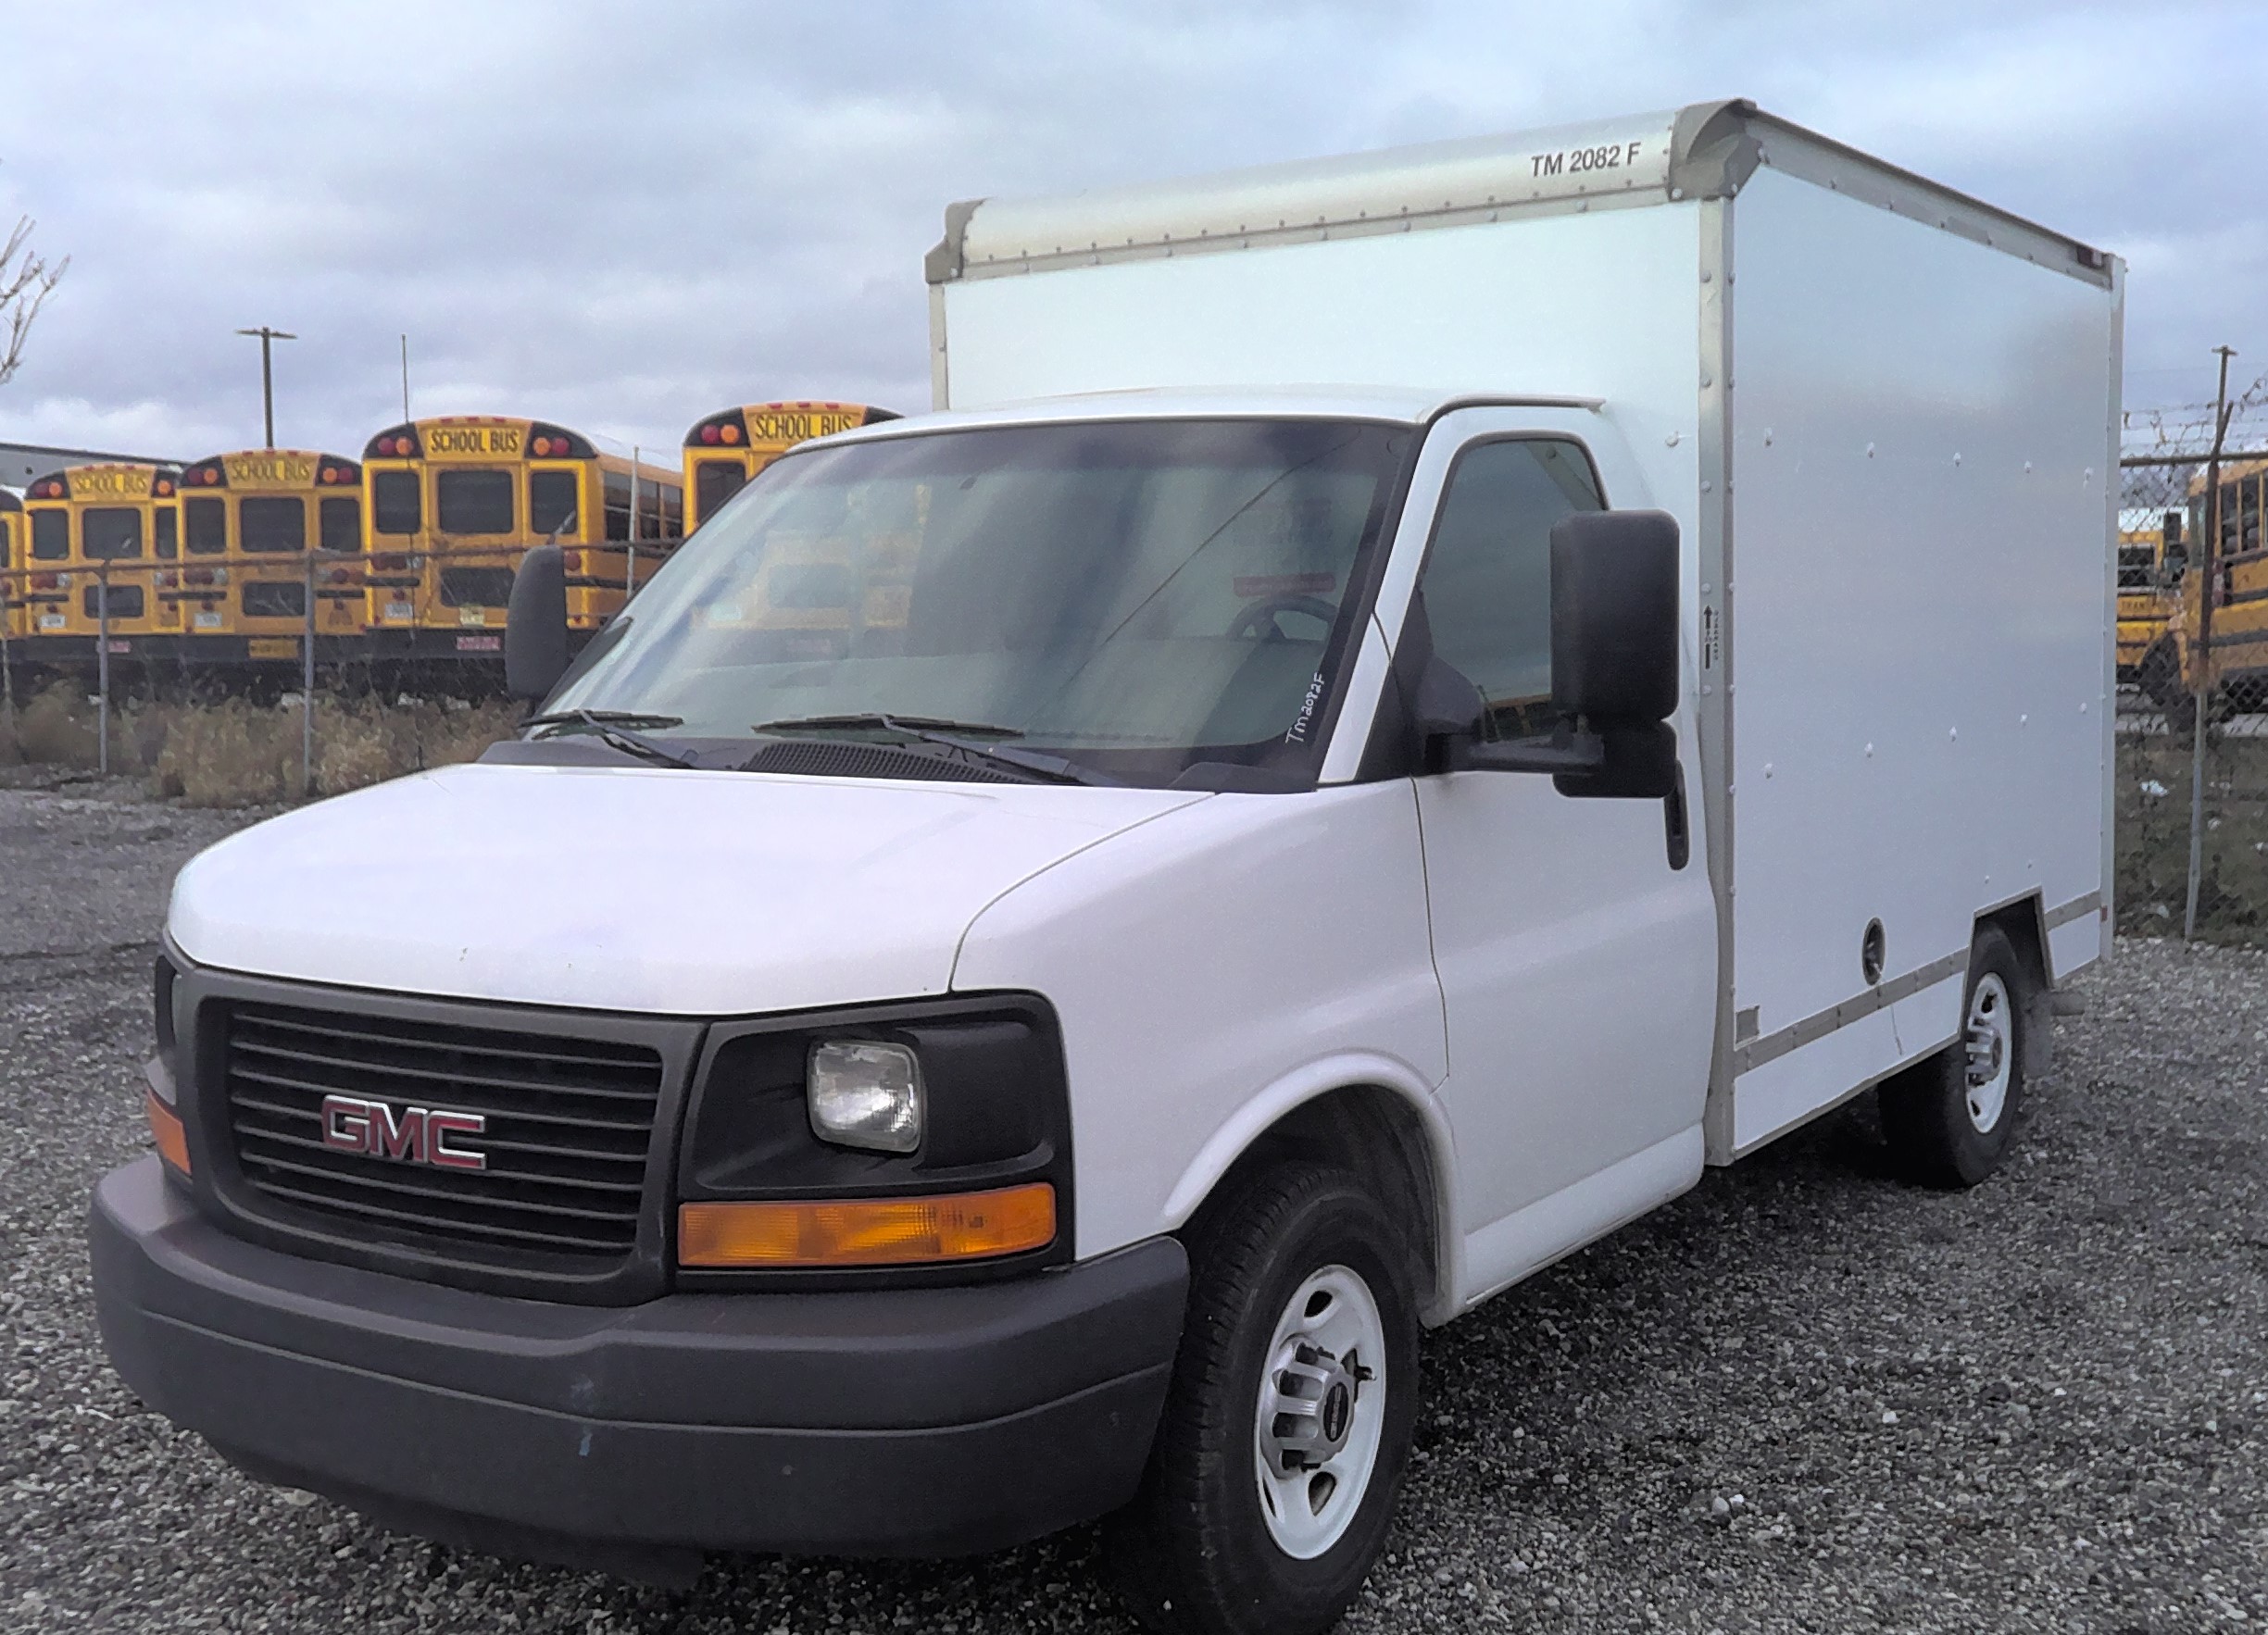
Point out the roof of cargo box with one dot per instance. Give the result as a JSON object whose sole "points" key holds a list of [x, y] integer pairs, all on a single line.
{"points": [[1396, 405], [1707, 149]]}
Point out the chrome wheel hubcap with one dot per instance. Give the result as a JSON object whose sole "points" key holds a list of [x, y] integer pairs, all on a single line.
{"points": [[1990, 1037], [1316, 1433]]}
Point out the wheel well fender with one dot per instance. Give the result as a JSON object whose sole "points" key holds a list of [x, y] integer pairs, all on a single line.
{"points": [[1371, 1115], [2024, 924]]}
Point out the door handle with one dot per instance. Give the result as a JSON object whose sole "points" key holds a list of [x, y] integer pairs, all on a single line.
{"points": [[1677, 829]]}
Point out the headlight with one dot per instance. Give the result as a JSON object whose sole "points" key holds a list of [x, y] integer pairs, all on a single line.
{"points": [[164, 1068], [866, 1094]]}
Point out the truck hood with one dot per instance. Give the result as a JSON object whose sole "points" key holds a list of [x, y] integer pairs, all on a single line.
{"points": [[634, 888]]}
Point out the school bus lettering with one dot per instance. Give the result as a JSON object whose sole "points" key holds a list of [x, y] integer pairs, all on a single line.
{"points": [[791, 425], [476, 442], [104, 485], [276, 470]]}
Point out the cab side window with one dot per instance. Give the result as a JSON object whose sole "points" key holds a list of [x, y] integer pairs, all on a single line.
{"points": [[1488, 580]]}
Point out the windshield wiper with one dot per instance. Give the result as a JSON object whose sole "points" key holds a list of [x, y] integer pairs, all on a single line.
{"points": [[603, 717], [1054, 769], [613, 729], [907, 724]]}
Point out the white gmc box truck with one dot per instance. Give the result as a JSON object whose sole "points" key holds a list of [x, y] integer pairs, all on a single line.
{"points": [[1400, 707]]}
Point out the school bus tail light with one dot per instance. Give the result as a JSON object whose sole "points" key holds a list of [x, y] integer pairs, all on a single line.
{"points": [[866, 1231]]}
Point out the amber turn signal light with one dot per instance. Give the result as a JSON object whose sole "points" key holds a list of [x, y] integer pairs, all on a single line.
{"points": [[867, 1231], [172, 1142]]}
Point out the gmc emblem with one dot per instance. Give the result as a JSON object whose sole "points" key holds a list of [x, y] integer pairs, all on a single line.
{"points": [[416, 1135]]}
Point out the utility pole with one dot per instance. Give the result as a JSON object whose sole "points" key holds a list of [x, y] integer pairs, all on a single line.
{"points": [[2200, 694], [405, 380], [268, 377]]}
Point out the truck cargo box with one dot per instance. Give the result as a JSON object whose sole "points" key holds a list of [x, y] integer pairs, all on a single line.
{"points": [[1884, 414]]}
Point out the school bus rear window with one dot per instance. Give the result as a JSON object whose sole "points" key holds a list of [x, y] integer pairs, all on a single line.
{"points": [[715, 481], [125, 601], [50, 536], [275, 599], [476, 587], [551, 501], [473, 502], [206, 522], [272, 522], [395, 506], [110, 532], [341, 524]]}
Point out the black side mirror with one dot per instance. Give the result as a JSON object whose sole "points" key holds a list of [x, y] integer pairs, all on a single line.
{"points": [[536, 625], [1614, 630], [1614, 618]]}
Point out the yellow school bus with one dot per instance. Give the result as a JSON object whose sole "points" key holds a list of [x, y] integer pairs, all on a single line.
{"points": [[2239, 586], [731, 446], [114, 525], [451, 503], [14, 536], [2149, 545], [252, 524]]}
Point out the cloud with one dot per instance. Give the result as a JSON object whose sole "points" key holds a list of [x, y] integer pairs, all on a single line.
{"points": [[622, 217]]}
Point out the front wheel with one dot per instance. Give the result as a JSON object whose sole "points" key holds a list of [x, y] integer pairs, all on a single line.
{"points": [[1289, 1416]]}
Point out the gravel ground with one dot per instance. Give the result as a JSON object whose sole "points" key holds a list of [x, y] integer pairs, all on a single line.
{"points": [[1804, 1397]]}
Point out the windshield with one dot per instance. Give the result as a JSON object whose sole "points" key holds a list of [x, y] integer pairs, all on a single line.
{"points": [[1134, 597]]}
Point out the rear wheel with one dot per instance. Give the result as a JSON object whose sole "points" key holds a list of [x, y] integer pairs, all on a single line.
{"points": [[1948, 1119], [1288, 1420], [2160, 675]]}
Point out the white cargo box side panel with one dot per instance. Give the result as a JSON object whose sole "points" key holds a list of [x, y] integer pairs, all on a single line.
{"points": [[1599, 303], [1919, 616]]}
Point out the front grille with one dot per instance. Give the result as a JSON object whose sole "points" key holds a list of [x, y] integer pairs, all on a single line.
{"points": [[570, 1123]]}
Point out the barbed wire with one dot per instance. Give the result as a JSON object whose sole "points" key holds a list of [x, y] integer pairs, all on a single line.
{"points": [[2187, 428]]}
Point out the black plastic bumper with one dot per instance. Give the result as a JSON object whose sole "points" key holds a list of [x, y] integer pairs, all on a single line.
{"points": [[902, 1422]]}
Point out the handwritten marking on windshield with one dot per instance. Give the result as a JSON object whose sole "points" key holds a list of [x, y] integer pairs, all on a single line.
{"points": [[1299, 733]]}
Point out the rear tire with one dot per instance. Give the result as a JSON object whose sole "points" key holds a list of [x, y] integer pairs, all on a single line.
{"points": [[2160, 675], [1288, 1420], [1948, 1118]]}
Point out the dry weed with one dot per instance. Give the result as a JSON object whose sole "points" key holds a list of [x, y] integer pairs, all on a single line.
{"points": [[236, 753]]}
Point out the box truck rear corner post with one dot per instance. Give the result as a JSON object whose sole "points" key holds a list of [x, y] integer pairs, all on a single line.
{"points": [[1399, 708]]}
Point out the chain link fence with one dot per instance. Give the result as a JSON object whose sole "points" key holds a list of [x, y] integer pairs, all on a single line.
{"points": [[2192, 730]]}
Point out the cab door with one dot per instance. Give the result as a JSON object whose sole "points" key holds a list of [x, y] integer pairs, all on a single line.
{"points": [[1574, 941]]}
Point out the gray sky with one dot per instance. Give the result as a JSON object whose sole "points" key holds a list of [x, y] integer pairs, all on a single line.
{"points": [[623, 218]]}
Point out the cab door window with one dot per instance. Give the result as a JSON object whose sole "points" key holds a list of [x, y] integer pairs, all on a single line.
{"points": [[1486, 587]]}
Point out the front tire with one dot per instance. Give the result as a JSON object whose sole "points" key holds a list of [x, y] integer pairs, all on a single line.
{"points": [[1288, 1420], [1948, 1119]]}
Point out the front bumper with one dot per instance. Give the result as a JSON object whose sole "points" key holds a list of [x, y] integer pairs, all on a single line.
{"points": [[899, 1422]]}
